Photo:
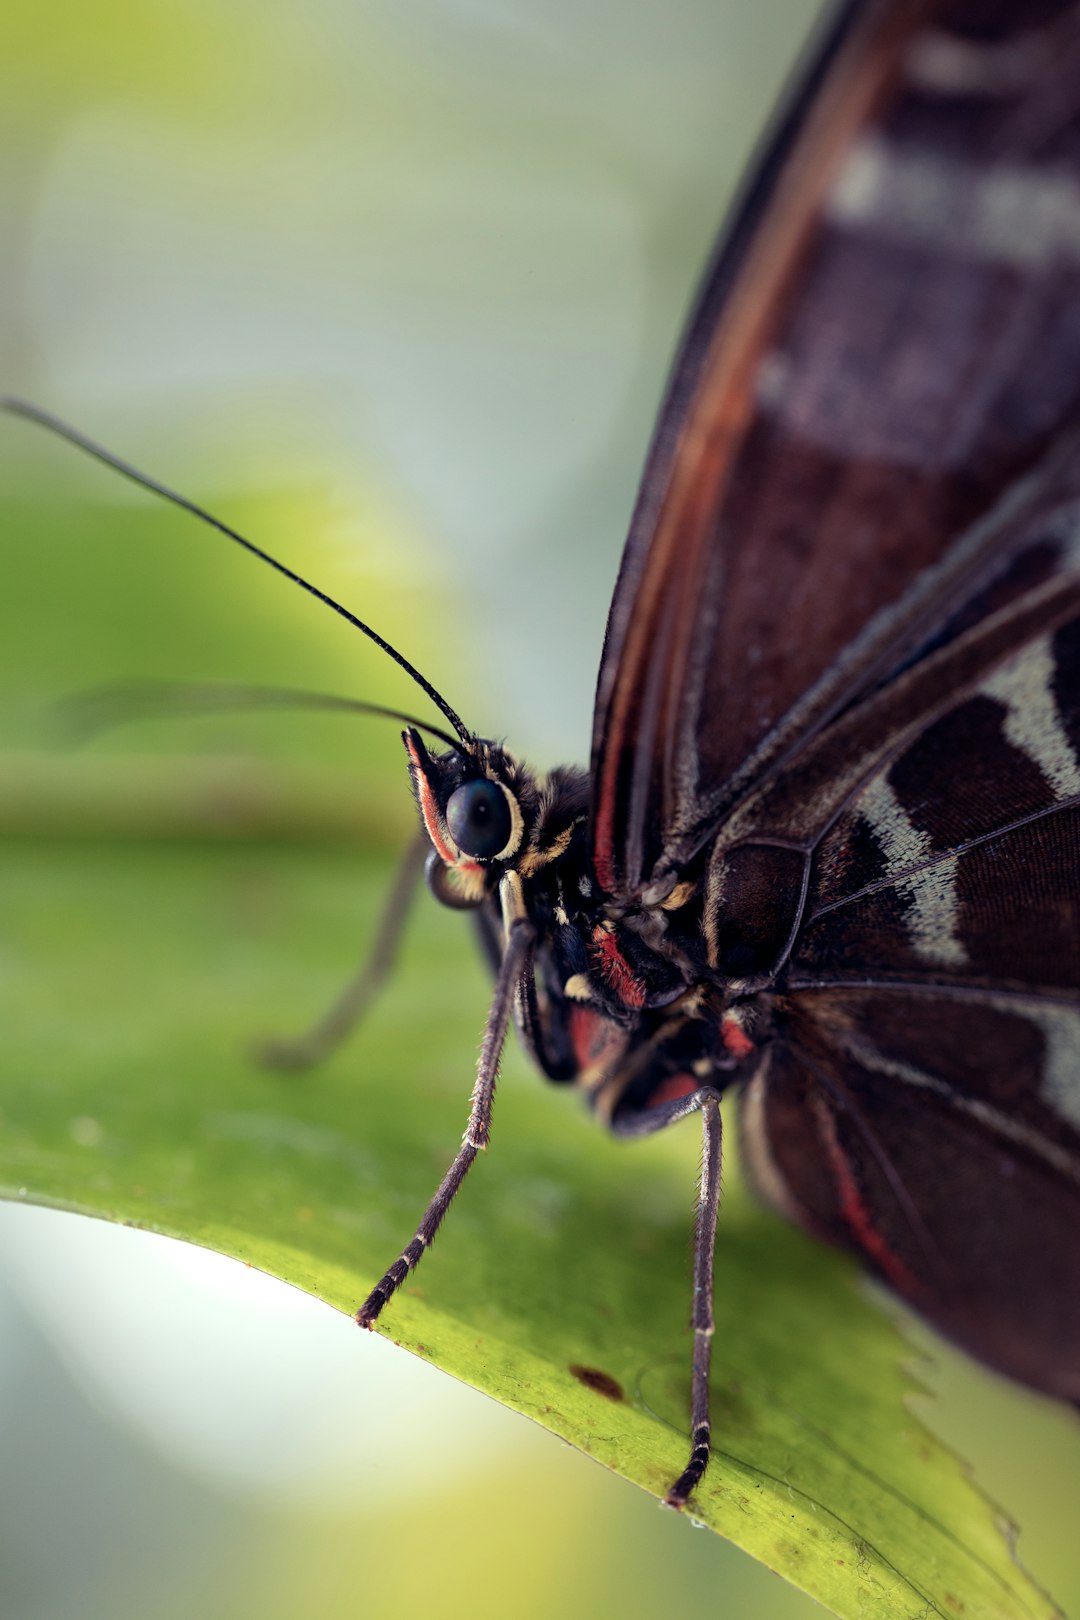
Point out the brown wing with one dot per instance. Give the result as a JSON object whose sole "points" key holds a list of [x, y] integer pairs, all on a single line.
{"points": [[922, 1103], [957, 861], [879, 381], [921, 1131]]}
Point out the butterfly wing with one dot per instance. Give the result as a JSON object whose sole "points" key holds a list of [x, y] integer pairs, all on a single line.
{"points": [[879, 392], [921, 1105], [841, 682], [924, 1132]]}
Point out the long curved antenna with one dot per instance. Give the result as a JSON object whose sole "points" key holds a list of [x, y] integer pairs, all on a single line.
{"points": [[53, 424], [97, 709]]}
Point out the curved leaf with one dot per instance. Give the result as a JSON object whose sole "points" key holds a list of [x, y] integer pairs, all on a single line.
{"points": [[131, 977]]}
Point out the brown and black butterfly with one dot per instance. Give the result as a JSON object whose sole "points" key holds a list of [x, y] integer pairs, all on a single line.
{"points": [[827, 854]]}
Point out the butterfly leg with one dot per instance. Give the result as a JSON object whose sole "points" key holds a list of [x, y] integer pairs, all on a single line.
{"points": [[702, 1314], [340, 1019], [514, 965], [642, 1122]]}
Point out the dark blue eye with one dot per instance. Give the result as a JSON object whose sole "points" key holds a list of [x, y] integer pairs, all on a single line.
{"points": [[478, 816]]}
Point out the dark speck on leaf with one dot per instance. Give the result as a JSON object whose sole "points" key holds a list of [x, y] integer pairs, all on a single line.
{"points": [[601, 1382]]}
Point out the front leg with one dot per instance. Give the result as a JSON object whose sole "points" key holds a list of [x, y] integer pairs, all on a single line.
{"points": [[514, 964], [702, 1314], [337, 1023], [706, 1101]]}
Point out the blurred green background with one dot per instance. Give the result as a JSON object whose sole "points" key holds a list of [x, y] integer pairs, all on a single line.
{"points": [[395, 288]]}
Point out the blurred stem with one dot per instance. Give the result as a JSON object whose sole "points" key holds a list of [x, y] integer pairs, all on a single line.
{"points": [[228, 798]]}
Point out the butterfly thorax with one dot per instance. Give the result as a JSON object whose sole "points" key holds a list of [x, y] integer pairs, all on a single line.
{"points": [[621, 999]]}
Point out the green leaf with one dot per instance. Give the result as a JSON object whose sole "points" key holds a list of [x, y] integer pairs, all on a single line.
{"points": [[159, 912], [132, 975]]}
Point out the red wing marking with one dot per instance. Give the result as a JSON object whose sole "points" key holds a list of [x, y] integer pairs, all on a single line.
{"points": [[616, 969], [737, 1043], [604, 840], [854, 1210], [672, 1088], [592, 1036]]}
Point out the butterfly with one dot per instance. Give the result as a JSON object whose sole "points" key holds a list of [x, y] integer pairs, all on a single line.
{"points": [[826, 856]]}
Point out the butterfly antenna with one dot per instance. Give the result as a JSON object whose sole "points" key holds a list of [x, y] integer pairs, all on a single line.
{"points": [[98, 708], [53, 424]]}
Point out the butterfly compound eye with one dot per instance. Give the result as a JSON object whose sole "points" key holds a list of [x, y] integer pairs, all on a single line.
{"points": [[478, 816]]}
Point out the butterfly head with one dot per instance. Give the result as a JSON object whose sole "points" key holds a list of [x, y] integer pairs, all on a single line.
{"points": [[477, 804]]}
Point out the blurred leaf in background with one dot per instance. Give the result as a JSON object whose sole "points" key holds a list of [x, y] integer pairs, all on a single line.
{"points": [[395, 289]]}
